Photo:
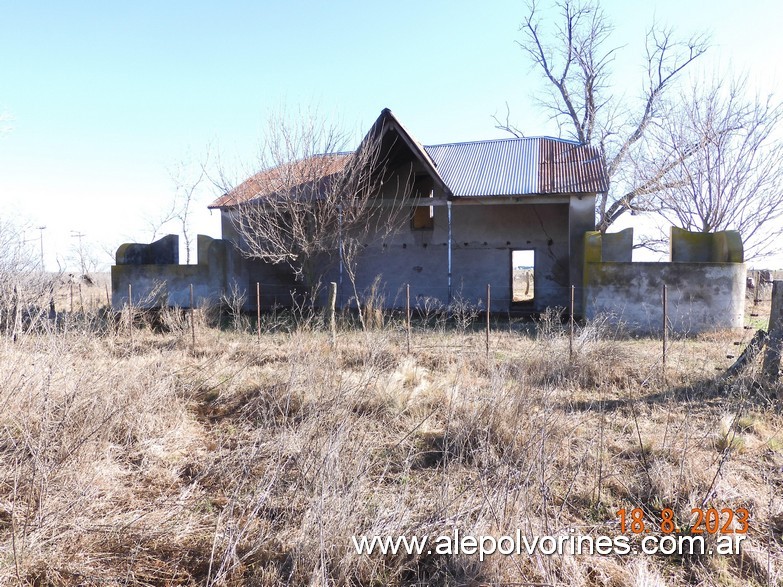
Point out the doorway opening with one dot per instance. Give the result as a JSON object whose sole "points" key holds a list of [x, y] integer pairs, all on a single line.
{"points": [[523, 271]]}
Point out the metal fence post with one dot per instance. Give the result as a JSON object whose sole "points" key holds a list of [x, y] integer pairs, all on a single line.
{"points": [[408, 315], [130, 312], [192, 323], [571, 328], [665, 330], [489, 304], [258, 311], [332, 303]]}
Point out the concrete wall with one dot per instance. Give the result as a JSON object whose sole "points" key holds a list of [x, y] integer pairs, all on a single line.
{"points": [[706, 290], [701, 296], [159, 284], [705, 247], [484, 233]]}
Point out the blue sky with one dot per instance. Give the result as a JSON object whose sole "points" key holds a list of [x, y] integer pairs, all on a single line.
{"points": [[105, 98]]}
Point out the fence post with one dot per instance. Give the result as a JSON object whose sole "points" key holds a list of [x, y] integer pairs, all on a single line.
{"points": [[665, 330], [332, 303], [774, 334], [571, 328], [130, 312], [16, 313], [408, 315], [489, 305], [258, 311], [192, 323], [756, 287]]}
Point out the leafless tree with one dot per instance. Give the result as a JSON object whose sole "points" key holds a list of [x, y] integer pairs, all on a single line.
{"points": [[187, 179], [734, 177], [315, 205], [84, 255], [24, 288], [575, 59]]}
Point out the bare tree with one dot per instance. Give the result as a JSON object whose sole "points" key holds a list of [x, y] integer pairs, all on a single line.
{"points": [[84, 255], [25, 290], [187, 179], [734, 179], [315, 205], [575, 59]]}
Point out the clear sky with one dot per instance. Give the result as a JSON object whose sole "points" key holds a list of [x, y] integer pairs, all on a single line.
{"points": [[105, 99]]}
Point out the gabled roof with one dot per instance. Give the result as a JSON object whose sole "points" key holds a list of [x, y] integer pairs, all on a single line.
{"points": [[500, 167], [387, 125]]}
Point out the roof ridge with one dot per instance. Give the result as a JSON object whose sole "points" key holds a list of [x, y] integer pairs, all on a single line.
{"points": [[506, 139]]}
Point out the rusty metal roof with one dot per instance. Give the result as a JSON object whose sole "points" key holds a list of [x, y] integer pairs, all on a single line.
{"points": [[569, 167], [306, 172], [518, 166]]}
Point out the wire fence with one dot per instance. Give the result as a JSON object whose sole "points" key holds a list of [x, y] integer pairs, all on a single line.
{"points": [[414, 315], [412, 311]]}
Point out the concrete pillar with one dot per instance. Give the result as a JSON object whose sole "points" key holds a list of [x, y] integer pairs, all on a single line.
{"points": [[581, 219]]}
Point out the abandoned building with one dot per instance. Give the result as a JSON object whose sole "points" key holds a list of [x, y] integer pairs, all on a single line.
{"points": [[515, 214]]}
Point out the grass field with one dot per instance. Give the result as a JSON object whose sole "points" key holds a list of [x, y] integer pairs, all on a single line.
{"points": [[144, 461]]}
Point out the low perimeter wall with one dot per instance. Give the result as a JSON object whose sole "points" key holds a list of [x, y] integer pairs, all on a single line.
{"points": [[701, 296], [157, 280]]}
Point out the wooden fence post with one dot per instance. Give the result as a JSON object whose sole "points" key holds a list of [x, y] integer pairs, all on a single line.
{"points": [[756, 287], [774, 334]]}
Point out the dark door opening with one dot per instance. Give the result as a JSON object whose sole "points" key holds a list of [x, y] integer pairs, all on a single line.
{"points": [[523, 270]]}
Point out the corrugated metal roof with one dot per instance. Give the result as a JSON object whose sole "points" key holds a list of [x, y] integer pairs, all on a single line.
{"points": [[502, 167], [568, 167], [518, 166]]}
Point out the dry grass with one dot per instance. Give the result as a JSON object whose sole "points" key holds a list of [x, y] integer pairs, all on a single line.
{"points": [[248, 464]]}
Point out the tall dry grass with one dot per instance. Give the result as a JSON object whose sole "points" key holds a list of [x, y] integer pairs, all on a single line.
{"points": [[147, 462]]}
